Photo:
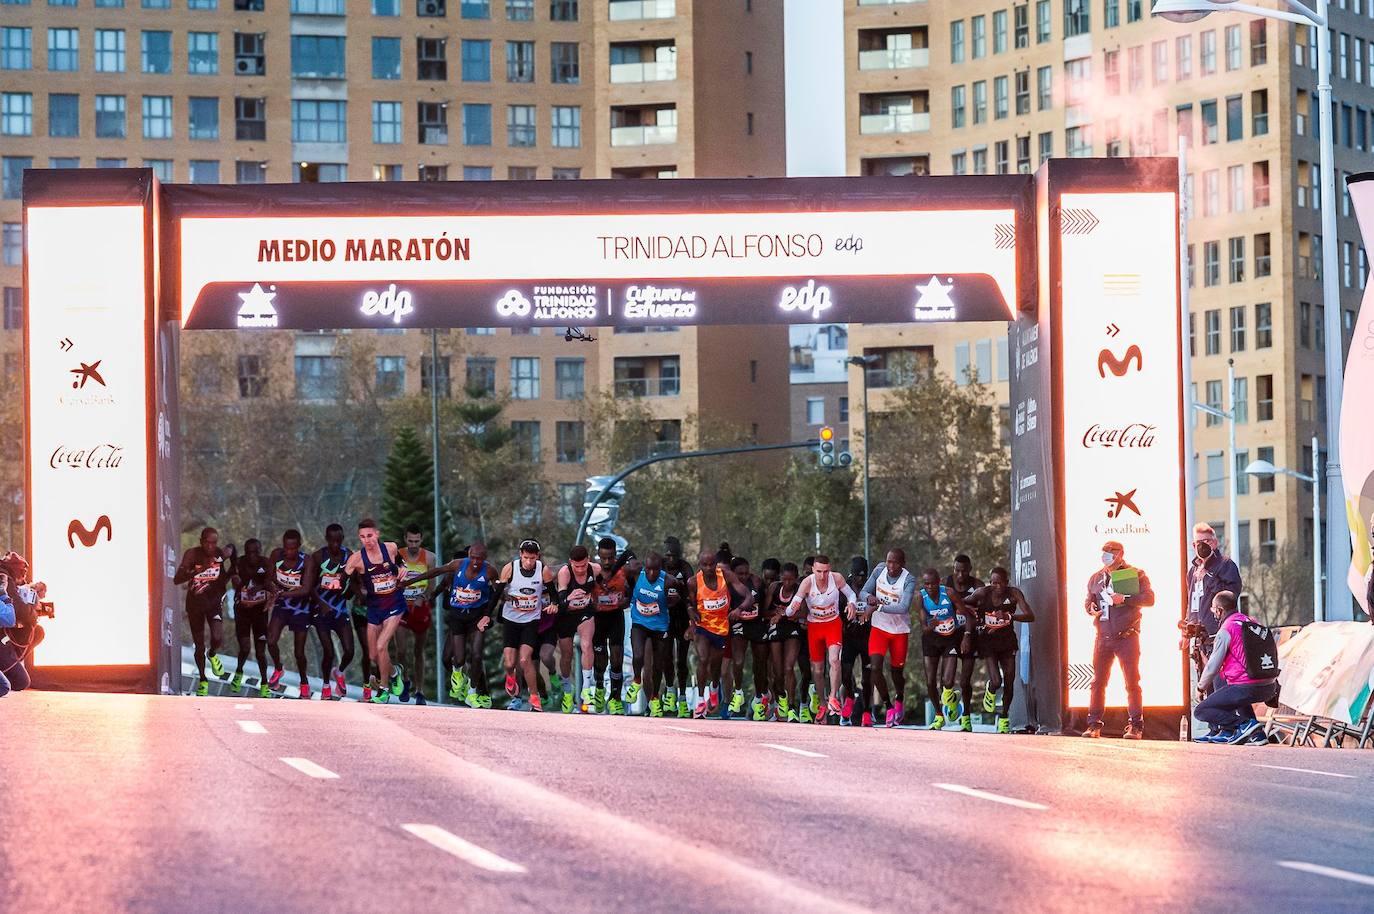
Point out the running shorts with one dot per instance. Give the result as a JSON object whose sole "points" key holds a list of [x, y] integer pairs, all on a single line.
{"points": [[999, 641], [568, 621], [610, 630], [933, 645], [338, 623], [251, 621], [519, 634], [677, 624], [548, 632], [789, 630], [652, 634], [894, 646], [376, 615], [418, 618], [736, 629], [716, 641], [461, 623], [296, 621], [198, 616], [820, 636], [757, 631]]}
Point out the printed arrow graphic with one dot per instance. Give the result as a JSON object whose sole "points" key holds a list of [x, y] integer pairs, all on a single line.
{"points": [[1113, 330], [1077, 221]]}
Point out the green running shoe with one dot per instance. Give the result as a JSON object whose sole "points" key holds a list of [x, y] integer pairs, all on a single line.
{"points": [[615, 707], [455, 685], [938, 723], [965, 724], [398, 680], [632, 693], [555, 683], [791, 717], [655, 708], [216, 666], [737, 702], [484, 702], [814, 702], [805, 715], [1003, 725], [760, 710], [202, 688], [237, 682], [785, 711], [566, 704], [588, 700], [989, 699], [598, 700], [683, 712], [264, 691], [472, 699], [670, 702], [382, 697]]}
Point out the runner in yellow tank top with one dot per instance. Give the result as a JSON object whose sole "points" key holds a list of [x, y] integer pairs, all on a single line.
{"points": [[711, 615]]}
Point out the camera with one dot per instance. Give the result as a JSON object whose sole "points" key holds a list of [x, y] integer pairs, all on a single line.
{"points": [[1192, 629], [46, 609]]}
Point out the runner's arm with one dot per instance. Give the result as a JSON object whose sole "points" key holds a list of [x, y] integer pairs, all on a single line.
{"points": [[962, 609], [692, 615], [843, 586], [746, 595], [803, 589], [1023, 611], [185, 571], [436, 571]]}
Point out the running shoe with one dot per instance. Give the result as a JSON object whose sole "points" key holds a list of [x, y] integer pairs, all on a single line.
{"points": [[264, 691], [713, 698], [891, 720], [484, 702], [805, 715], [202, 688], [683, 712], [471, 699], [236, 684], [615, 707], [866, 720], [737, 702], [536, 703], [760, 709], [326, 693], [341, 684], [1245, 731], [398, 682], [1094, 731], [938, 723], [1003, 725], [382, 697], [700, 712], [965, 723], [566, 703], [670, 701], [848, 712], [846, 722], [455, 685], [989, 699], [1133, 731], [1259, 738], [813, 701], [512, 688], [724, 712], [949, 698], [555, 683], [367, 692], [792, 717], [900, 712], [632, 693], [274, 681], [405, 691], [655, 708], [216, 666], [515, 704], [835, 708], [1220, 736], [420, 698], [784, 708], [305, 691], [599, 700], [588, 700]]}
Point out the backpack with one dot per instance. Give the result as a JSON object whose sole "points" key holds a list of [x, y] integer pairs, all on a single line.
{"points": [[1261, 650]]}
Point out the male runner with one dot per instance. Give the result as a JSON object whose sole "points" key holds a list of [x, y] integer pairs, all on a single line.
{"points": [[608, 636], [376, 565], [576, 588], [749, 635], [291, 608], [710, 610], [332, 587], [806, 689], [854, 647], [821, 591], [941, 638], [786, 645], [889, 592], [963, 583], [650, 648], [679, 573], [357, 605], [419, 615], [521, 587], [997, 606], [468, 595], [203, 570], [255, 584]]}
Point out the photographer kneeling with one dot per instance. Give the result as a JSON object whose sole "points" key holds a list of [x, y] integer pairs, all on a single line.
{"points": [[13, 676], [1242, 671]]}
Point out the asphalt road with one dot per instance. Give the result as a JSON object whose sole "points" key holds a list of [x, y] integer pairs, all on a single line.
{"points": [[152, 803]]}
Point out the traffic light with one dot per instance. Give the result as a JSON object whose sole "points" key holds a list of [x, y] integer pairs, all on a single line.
{"points": [[826, 453], [845, 459]]}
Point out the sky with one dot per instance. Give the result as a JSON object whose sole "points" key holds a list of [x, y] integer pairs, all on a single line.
{"points": [[814, 66]]}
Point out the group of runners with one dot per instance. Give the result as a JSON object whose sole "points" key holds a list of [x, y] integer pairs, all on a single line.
{"points": [[803, 629]]}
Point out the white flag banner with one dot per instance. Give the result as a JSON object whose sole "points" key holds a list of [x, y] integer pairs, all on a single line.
{"points": [[1326, 670]]}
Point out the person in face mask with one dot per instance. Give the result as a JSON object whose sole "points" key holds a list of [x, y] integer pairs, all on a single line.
{"points": [[1209, 574], [1116, 594]]}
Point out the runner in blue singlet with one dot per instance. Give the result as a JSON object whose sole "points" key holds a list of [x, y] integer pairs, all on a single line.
{"points": [[376, 567]]}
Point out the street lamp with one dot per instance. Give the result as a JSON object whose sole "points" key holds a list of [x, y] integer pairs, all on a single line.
{"points": [[1265, 468], [1337, 532], [863, 362], [1229, 416]]}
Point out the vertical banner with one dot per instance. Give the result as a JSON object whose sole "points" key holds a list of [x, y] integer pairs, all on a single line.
{"points": [[1357, 432], [88, 346], [1120, 402]]}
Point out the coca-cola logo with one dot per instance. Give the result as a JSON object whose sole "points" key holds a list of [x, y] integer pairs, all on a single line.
{"points": [[1134, 435], [95, 457]]}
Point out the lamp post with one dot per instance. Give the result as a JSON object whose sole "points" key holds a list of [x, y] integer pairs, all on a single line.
{"points": [[1265, 468], [438, 513], [863, 362], [1337, 531], [1229, 415]]}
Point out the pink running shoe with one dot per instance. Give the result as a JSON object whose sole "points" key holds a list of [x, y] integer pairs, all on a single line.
{"points": [[848, 712], [891, 717], [326, 693], [340, 682], [511, 688], [305, 691], [898, 712], [274, 682], [866, 720]]}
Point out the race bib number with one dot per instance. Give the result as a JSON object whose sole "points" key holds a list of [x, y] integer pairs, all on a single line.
{"points": [[579, 600], [944, 627], [715, 604], [646, 609], [331, 581], [383, 584]]}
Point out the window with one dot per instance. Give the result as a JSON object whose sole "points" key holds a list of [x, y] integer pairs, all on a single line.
{"points": [[1264, 399], [1236, 250], [525, 437], [161, 168], [16, 48], [480, 173], [980, 101], [1000, 100], [1023, 156], [64, 47], [475, 9], [563, 10], [1259, 42], [1259, 112], [1208, 110], [1264, 326], [252, 379], [1216, 466], [1183, 58], [520, 61], [386, 58], [956, 41], [204, 123], [202, 4], [427, 379], [1211, 331], [1268, 531], [1211, 193], [318, 7], [386, 122], [569, 442], [1235, 119], [1077, 78], [1076, 18], [109, 50], [430, 58], [1044, 88], [476, 125], [815, 410], [431, 9], [1135, 68], [1242, 400], [391, 376], [249, 55], [1233, 59], [957, 106], [563, 62], [432, 118], [157, 52], [1305, 324], [476, 60], [1259, 177], [979, 25], [1209, 53], [14, 308], [157, 117], [250, 172], [202, 53], [1264, 483], [1021, 14], [524, 378], [319, 377], [1133, 10], [569, 382], [519, 10], [13, 243], [1111, 13], [1079, 141], [318, 121], [1042, 21], [958, 163], [1211, 263], [567, 126], [480, 378], [16, 114], [110, 120], [250, 118], [1238, 328], [1023, 105], [436, 173], [64, 115], [1046, 146], [520, 125], [317, 56], [999, 32], [1235, 188]]}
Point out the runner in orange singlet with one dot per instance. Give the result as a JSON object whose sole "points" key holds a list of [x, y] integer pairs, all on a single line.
{"points": [[711, 616]]}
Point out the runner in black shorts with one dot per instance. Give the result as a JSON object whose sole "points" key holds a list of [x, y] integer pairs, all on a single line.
{"points": [[254, 584], [608, 636], [331, 611], [964, 584], [679, 572], [749, 634], [854, 647], [786, 645], [521, 588], [998, 605], [576, 588], [941, 637], [468, 605], [203, 570]]}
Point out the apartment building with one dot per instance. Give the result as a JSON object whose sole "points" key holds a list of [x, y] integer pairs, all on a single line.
{"points": [[980, 87], [251, 91], [819, 380]]}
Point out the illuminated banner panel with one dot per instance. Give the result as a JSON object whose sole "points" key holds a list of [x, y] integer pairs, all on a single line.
{"points": [[88, 374], [615, 269], [1357, 433], [1121, 411]]}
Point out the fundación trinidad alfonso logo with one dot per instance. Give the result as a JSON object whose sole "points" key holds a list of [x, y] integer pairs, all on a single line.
{"points": [[513, 302], [257, 309]]}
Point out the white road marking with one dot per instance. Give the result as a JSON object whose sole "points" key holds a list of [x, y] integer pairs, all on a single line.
{"points": [[792, 750], [251, 726], [243, 707], [680, 729], [1328, 871], [309, 768], [464, 850], [1329, 774], [985, 795]]}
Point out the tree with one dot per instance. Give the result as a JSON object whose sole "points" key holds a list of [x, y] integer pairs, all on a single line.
{"points": [[1280, 590], [408, 490]]}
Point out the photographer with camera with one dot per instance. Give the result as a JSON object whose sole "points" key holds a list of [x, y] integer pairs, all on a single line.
{"points": [[1242, 671], [21, 604], [1209, 574]]}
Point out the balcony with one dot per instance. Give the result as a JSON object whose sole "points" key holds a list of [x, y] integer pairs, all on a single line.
{"points": [[648, 71], [887, 2], [896, 165], [631, 10], [894, 122], [647, 387], [894, 58]]}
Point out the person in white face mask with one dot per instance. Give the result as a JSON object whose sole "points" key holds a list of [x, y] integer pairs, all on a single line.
{"points": [[1116, 594]]}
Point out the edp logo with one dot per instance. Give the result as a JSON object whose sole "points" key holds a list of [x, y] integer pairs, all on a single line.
{"points": [[389, 303]]}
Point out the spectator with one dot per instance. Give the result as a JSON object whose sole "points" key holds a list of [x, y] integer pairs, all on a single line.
{"points": [[13, 676], [1228, 710], [1210, 573], [1116, 595]]}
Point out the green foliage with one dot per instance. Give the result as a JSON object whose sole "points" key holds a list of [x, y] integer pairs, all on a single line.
{"points": [[408, 490]]}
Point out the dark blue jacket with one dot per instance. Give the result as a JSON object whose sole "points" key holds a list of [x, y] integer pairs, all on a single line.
{"points": [[1212, 576]]}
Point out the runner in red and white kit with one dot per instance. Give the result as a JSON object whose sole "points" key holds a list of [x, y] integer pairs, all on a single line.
{"points": [[889, 592], [820, 591]]}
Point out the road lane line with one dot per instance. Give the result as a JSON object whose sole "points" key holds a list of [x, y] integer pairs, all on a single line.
{"points": [[243, 707], [464, 850], [251, 726], [309, 768], [1329, 774], [985, 795], [782, 748], [1329, 871], [680, 729]]}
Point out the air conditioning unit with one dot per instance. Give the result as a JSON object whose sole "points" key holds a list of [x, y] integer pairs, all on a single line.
{"points": [[431, 8], [247, 65]]}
